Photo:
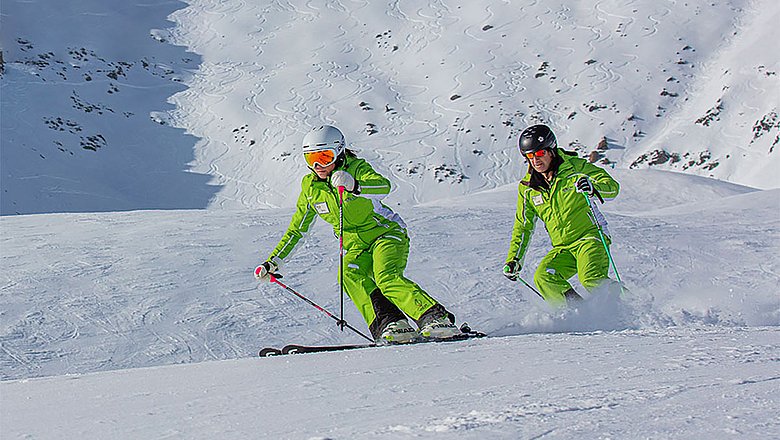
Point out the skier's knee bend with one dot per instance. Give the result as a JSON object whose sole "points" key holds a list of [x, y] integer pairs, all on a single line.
{"points": [[551, 285], [545, 276], [603, 285], [593, 283], [386, 279]]}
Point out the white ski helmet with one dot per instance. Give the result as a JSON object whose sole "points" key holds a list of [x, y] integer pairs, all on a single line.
{"points": [[324, 137]]}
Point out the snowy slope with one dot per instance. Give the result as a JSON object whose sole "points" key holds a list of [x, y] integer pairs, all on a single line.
{"points": [[735, 99], [438, 91], [434, 92], [692, 352], [158, 175], [634, 384], [95, 292]]}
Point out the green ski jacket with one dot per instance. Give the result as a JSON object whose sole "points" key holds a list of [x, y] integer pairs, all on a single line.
{"points": [[563, 210], [365, 217]]}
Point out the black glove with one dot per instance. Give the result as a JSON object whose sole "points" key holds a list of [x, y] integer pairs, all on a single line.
{"points": [[512, 269], [584, 185]]}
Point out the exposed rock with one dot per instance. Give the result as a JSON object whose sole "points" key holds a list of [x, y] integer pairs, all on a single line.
{"points": [[712, 114], [765, 125]]}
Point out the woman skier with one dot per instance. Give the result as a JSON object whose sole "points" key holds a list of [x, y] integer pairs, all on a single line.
{"points": [[375, 241], [552, 191]]}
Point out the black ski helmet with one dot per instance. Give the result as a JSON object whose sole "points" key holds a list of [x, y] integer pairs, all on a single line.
{"points": [[535, 138]]}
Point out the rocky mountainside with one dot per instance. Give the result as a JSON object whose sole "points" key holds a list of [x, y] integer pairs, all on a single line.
{"points": [[204, 104]]}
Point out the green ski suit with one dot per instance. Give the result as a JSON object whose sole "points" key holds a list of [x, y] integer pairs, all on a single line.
{"points": [[577, 247], [376, 244]]}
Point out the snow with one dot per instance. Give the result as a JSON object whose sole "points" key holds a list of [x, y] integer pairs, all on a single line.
{"points": [[127, 305], [599, 385], [103, 304]]}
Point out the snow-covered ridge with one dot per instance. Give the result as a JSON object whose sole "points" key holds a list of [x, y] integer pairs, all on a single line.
{"points": [[434, 93]]}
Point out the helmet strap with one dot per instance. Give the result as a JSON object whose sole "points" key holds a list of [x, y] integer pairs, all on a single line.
{"points": [[340, 160]]}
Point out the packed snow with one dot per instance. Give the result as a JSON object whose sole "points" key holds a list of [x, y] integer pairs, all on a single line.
{"points": [[149, 165], [693, 350]]}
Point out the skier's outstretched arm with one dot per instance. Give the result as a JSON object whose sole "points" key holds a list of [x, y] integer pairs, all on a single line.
{"points": [[523, 229], [300, 223]]}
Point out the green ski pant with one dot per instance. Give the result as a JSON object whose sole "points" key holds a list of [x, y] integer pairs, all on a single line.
{"points": [[585, 258], [382, 266]]}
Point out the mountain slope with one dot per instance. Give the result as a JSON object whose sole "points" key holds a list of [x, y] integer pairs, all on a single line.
{"points": [[102, 115], [84, 100], [434, 94], [734, 100]]}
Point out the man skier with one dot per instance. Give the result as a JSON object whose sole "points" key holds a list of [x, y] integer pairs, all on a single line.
{"points": [[375, 241], [552, 190]]}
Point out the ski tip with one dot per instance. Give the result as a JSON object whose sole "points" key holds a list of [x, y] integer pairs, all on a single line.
{"points": [[270, 351], [467, 330]]}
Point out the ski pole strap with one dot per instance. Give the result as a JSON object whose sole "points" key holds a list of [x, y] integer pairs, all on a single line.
{"points": [[598, 194]]}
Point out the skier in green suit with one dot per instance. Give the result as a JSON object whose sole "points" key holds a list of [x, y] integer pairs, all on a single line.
{"points": [[375, 241], [552, 191]]}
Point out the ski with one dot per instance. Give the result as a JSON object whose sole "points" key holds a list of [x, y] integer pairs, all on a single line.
{"points": [[300, 349], [466, 333]]}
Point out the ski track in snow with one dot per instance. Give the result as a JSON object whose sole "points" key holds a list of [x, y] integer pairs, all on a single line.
{"points": [[714, 382], [581, 409], [433, 94], [455, 88]]}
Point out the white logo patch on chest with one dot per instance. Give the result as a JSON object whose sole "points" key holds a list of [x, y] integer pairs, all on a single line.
{"points": [[538, 200], [321, 208]]}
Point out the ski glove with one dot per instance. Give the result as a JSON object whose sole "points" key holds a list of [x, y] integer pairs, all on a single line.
{"points": [[584, 185], [262, 271], [343, 178], [512, 269]]}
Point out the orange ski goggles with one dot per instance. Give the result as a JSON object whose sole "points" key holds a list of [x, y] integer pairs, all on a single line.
{"points": [[538, 153], [322, 158]]}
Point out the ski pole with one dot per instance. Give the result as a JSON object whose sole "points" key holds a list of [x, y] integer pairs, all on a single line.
{"points": [[530, 287], [341, 252], [340, 322], [603, 240]]}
